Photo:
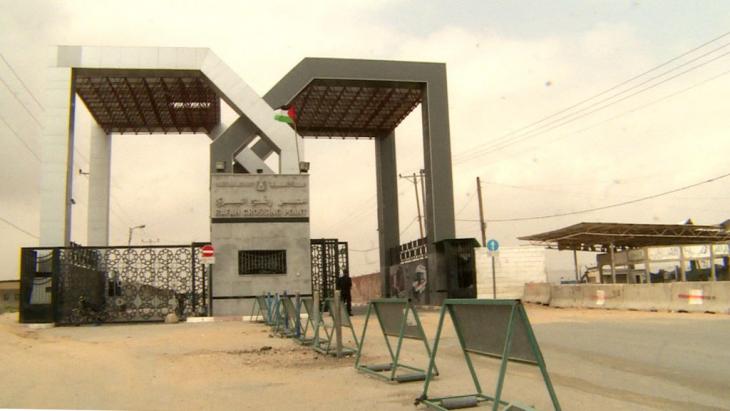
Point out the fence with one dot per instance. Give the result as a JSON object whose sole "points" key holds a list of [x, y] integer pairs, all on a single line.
{"points": [[73, 285]]}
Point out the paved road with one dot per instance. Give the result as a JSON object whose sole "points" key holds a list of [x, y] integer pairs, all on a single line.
{"points": [[660, 361], [598, 360]]}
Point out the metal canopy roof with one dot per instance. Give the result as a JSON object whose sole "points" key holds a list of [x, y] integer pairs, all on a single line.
{"points": [[599, 236], [149, 101], [354, 108]]}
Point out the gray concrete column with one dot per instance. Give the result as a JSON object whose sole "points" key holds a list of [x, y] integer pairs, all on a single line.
{"points": [[57, 139], [387, 191], [612, 250], [97, 228], [437, 162]]}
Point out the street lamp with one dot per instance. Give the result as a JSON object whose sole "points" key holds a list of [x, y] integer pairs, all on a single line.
{"points": [[131, 230]]}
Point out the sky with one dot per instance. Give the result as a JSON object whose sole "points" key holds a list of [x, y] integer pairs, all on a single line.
{"points": [[509, 64]]}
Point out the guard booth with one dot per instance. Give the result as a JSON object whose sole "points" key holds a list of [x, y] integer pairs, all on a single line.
{"points": [[427, 274]]}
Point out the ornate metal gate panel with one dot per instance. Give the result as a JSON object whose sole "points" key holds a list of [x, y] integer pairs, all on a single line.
{"points": [[329, 261], [124, 284]]}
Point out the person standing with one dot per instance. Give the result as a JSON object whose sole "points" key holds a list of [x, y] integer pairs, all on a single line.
{"points": [[344, 284]]}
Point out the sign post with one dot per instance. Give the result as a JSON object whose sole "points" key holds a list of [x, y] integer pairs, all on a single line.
{"points": [[207, 257], [493, 247], [207, 254]]}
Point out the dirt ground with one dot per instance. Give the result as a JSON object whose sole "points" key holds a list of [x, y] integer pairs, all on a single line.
{"points": [[598, 360]]}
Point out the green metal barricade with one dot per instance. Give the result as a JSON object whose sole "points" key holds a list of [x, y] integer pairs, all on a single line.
{"points": [[492, 328], [305, 327], [324, 336], [260, 308], [399, 319]]}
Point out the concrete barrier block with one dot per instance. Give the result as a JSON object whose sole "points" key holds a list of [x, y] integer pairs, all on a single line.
{"points": [[565, 296], [701, 296], [538, 293], [608, 296], [648, 297]]}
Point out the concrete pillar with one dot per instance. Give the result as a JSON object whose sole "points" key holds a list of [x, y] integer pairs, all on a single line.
{"points": [[575, 264], [387, 191], [612, 250], [647, 265], [57, 139], [713, 271], [97, 228], [439, 195], [682, 271]]}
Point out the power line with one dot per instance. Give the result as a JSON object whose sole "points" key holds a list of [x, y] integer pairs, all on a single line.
{"points": [[21, 102], [21, 139], [630, 111], [7, 63], [540, 132], [588, 210], [363, 251], [608, 90], [468, 201], [501, 140], [408, 226], [18, 228], [567, 120]]}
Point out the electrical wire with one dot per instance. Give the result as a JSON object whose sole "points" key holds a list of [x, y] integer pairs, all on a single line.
{"points": [[22, 140], [552, 126], [490, 146], [18, 228], [588, 210], [630, 111], [623, 83]]}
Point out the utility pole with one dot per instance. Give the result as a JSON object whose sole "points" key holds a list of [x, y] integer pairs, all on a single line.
{"points": [[418, 202], [423, 196], [482, 224]]}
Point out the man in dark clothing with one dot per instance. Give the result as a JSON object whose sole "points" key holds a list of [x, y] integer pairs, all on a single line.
{"points": [[344, 284]]}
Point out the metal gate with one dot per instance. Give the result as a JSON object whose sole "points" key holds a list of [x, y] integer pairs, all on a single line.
{"points": [[72, 285], [329, 261]]}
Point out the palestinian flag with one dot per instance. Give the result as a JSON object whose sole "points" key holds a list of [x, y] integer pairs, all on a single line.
{"points": [[289, 116]]}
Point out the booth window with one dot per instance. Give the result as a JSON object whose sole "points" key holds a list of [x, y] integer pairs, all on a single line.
{"points": [[261, 262]]}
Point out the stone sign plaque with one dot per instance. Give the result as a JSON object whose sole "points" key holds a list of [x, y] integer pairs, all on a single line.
{"points": [[257, 196]]}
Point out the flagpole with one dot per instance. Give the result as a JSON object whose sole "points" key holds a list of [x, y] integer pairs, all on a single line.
{"points": [[296, 137]]}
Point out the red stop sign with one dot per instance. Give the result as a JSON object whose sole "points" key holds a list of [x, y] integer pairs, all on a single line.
{"points": [[207, 250]]}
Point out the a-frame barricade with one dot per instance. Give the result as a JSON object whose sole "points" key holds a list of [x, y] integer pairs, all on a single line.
{"points": [[397, 318], [260, 309], [272, 307], [324, 340], [305, 327], [492, 328], [288, 325]]}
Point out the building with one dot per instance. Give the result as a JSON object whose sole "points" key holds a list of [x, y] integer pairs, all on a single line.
{"points": [[645, 253], [9, 295]]}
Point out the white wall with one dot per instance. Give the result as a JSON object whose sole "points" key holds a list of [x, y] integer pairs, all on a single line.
{"points": [[514, 267]]}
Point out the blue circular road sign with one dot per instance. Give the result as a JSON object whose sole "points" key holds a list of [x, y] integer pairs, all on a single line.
{"points": [[492, 245]]}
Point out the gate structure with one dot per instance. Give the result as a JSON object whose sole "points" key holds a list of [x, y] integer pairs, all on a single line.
{"points": [[74, 285], [329, 261]]}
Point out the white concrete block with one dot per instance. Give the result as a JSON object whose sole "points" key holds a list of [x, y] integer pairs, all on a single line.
{"points": [[130, 57], [185, 58], [111, 57], [166, 57], [91, 57], [148, 57]]}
